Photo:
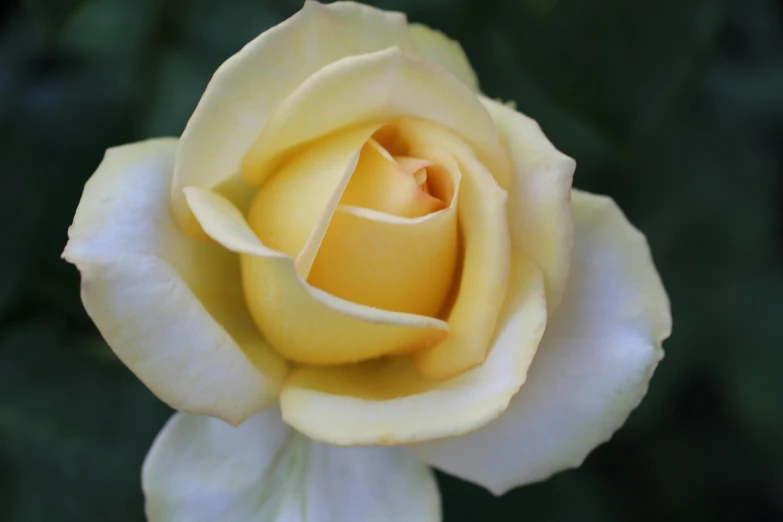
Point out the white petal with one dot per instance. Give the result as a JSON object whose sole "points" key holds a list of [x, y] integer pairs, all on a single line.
{"points": [[592, 367], [202, 470], [170, 307]]}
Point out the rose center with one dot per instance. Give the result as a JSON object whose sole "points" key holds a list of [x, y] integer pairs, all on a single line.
{"points": [[392, 243], [399, 185]]}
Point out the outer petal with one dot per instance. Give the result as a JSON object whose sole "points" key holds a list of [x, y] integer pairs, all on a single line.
{"points": [[389, 402], [171, 308], [248, 87], [592, 368], [436, 47], [301, 322], [202, 470], [539, 206], [370, 88]]}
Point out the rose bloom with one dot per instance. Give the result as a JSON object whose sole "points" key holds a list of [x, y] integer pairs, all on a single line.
{"points": [[351, 266]]}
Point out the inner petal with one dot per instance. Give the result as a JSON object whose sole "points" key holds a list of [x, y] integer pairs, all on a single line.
{"points": [[393, 242], [436, 179], [396, 186], [417, 168], [387, 262], [291, 211], [371, 220], [300, 322], [485, 251]]}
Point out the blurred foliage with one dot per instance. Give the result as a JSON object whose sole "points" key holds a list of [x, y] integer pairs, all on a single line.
{"points": [[674, 108]]}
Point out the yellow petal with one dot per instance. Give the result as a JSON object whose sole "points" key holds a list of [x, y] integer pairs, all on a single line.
{"points": [[171, 308], [404, 265], [435, 46], [301, 322], [380, 183], [539, 208], [486, 252], [412, 165], [388, 402], [292, 210], [248, 87], [375, 87]]}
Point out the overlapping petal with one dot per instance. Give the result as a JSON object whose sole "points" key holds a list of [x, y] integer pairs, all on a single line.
{"points": [[301, 322], [202, 470], [371, 88], [171, 308], [389, 402], [248, 87], [485, 252], [593, 367], [292, 211], [381, 183], [388, 262], [539, 193]]}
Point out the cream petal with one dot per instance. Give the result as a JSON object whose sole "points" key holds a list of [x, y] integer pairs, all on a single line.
{"points": [[301, 322], [248, 87], [369, 88], [202, 470], [389, 402], [171, 308], [592, 368], [436, 47], [539, 207]]}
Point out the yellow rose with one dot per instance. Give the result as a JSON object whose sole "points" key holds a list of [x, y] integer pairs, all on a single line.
{"points": [[348, 229]]}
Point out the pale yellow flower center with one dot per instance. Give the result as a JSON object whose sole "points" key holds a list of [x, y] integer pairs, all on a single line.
{"points": [[401, 186], [381, 239], [392, 241]]}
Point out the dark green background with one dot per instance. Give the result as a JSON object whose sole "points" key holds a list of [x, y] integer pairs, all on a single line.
{"points": [[674, 108]]}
